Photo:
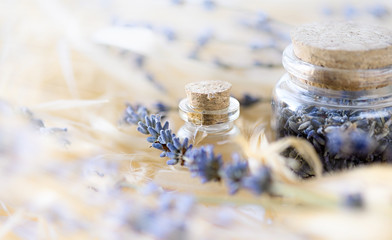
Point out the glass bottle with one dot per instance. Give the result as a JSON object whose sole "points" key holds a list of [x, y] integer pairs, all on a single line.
{"points": [[345, 113], [221, 134], [209, 114]]}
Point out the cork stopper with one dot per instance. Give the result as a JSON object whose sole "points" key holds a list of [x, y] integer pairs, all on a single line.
{"points": [[349, 48], [208, 95], [208, 103]]}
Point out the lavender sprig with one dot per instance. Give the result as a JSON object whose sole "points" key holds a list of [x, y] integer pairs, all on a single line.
{"points": [[259, 182], [161, 137], [202, 162], [133, 115], [162, 109], [235, 173], [248, 100], [354, 200]]}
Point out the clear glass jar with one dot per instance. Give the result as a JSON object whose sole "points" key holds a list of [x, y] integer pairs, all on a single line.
{"points": [[222, 134], [346, 127]]}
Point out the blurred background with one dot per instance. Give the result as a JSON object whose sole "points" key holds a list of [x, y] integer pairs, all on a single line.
{"points": [[71, 170]]}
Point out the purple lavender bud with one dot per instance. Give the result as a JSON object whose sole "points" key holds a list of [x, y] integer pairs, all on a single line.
{"points": [[248, 100], [235, 173], [151, 139], [157, 146], [353, 201], [148, 122], [142, 130], [177, 144], [260, 182], [172, 162], [153, 132], [162, 138], [204, 164], [185, 143], [165, 126], [171, 147]]}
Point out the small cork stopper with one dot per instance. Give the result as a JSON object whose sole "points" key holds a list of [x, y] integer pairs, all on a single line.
{"points": [[344, 45], [208, 96]]}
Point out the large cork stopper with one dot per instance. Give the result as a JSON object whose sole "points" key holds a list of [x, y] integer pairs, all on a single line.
{"points": [[345, 46], [207, 98]]}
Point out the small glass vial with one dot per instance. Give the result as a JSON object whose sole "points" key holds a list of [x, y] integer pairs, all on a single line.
{"points": [[337, 93], [209, 113]]}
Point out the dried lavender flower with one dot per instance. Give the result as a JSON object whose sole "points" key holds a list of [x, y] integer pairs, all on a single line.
{"points": [[161, 137], [202, 162], [260, 182], [248, 100], [135, 114], [343, 138], [353, 200], [235, 173], [162, 109], [350, 142], [177, 150]]}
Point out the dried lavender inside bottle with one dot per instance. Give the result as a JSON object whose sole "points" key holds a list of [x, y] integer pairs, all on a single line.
{"points": [[343, 111]]}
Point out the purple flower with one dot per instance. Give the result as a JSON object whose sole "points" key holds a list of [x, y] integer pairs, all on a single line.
{"points": [[348, 142], [133, 115], [259, 182], [235, 173], [248, 100], [161, 137], [353, 200], [203, 163]]}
